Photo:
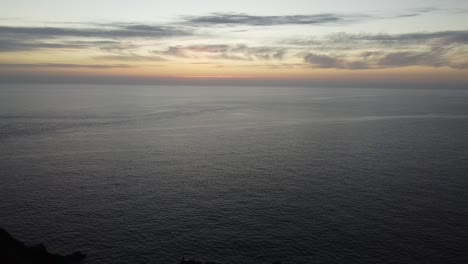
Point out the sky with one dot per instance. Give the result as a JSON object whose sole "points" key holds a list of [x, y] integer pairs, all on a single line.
{"points": [[295, 42]]}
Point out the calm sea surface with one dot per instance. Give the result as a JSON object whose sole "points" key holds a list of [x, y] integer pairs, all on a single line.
{"points": [[149, 174]]}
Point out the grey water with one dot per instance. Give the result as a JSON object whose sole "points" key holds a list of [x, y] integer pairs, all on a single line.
{"points": [[151, 174]]}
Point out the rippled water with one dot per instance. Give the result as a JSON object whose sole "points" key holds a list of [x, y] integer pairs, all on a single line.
{"points": [[148, 174]]}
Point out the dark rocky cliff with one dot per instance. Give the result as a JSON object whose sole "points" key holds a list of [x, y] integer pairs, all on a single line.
{"points": [[13, 251]]}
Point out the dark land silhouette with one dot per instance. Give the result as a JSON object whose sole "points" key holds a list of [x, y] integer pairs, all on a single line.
{"points": [[13, 251]]}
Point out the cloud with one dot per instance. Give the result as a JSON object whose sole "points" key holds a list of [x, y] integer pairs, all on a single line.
{"points": [[112, 31], [441, 37], [63, 65], [407, 58], [226, 52], [241, 19], [342, 40], [277, 66], [11, 45], [436, 57], [415, 12], [130, 57], [111, 37], [119, 47], [322, 60], [379, 51], [325, 61], [19, 45]]}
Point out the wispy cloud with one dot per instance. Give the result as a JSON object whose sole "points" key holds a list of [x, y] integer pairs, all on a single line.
{"points": [[241, 19], [244, 19], [11, 45], [130, 57], [112, 31], [436, 57], [64, 65], [112, 37], [226, 52], [378, 51], [441, 38], [414, 12], [352, 40]]}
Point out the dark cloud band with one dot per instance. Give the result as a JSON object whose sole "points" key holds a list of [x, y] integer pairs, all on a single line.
{"points": [[232, 19], [436, 57], [63, 65], [116, 31]]}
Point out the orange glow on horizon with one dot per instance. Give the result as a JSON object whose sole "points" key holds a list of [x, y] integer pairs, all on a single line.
{"points": [[217, 76]]}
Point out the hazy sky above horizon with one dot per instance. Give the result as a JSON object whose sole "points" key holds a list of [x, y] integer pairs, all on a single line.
{"points": [[296, 41]]}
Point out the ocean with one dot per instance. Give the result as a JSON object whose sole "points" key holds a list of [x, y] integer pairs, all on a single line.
{"points": [[245, 175]]}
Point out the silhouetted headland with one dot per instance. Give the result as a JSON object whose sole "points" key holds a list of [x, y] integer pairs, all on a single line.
{"points": [[13, 251]]}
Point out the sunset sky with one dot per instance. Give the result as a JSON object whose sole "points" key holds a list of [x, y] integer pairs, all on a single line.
{"points": [[297, 42]]}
